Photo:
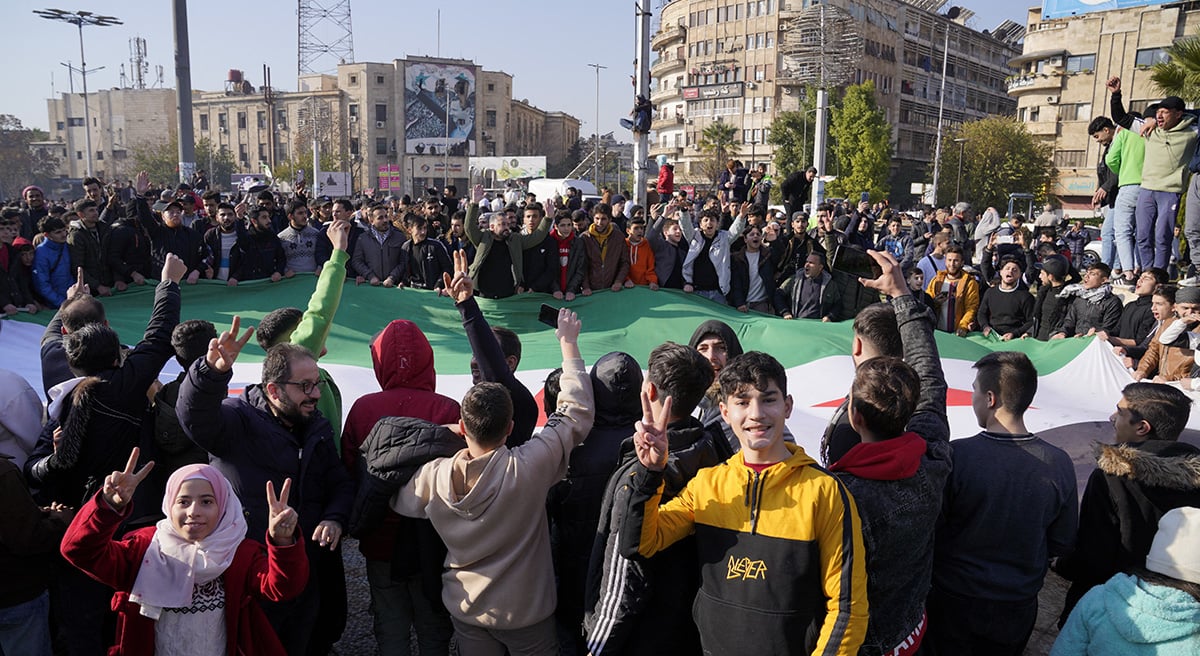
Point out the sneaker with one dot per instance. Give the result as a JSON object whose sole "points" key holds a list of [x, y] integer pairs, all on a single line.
{"points": [[1123, 282], [1190, 281]]}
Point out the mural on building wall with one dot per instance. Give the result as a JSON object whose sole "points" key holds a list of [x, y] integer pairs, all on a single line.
{"points": [[439, 100]]}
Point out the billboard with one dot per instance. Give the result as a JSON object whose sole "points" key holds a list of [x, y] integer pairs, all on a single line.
{"points": [[1066, 8], [389, 179], [510, 168], [712, 91], [439, 109]]}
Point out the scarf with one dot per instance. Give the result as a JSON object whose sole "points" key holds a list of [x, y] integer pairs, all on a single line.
{"points": [[889, 460], [1093, 296], [601, 238], [173, 566]]}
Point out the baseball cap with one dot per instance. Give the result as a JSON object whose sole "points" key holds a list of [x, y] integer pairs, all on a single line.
{"points": [[1173, 103], [1056, 266]]}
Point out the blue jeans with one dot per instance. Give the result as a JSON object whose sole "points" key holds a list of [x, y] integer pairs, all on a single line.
{"points": [[1108, 249], [25, 628], [1155, 226], [1124, 216], [397, 607], [713, 295]]}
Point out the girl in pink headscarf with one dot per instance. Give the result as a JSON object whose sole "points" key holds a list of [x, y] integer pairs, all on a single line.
{"points": [[190, 584]]}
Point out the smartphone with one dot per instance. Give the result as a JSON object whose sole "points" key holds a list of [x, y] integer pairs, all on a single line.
{"points": [[864, 197], [856, 262], [548, 315]]}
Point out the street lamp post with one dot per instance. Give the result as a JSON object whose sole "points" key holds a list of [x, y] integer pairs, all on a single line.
{"points": [[962, 144], [596, 143], [79, 19]]}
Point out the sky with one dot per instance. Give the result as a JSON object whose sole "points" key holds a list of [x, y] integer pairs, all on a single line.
{"points": [[546, 45]]}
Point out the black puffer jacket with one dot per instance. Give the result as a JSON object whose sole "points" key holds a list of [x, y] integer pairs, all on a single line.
{"points": [[574, 503], [644, 606], [1129, 491]]}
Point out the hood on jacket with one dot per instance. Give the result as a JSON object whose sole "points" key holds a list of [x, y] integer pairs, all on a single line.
{"points": [[721, 329], [402, 357], [617, 385], [1146, 614], [1157, 463]]}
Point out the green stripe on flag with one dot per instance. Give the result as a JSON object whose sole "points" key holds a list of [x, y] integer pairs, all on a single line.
{"points": [[632, 320]]}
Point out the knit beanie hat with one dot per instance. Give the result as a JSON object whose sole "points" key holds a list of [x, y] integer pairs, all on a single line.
{"points": [[1176, 548]]}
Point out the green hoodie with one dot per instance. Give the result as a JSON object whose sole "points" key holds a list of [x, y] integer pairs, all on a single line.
{"points": [[1167, 156], [314, 328], [1125, 157]]}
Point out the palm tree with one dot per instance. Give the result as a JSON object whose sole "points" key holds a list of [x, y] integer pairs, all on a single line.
{"points": [[718, 140], [1180, 75]]}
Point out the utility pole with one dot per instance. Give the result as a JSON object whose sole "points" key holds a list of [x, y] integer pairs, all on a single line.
{"points": [[641, 145], [183, 93], [937, 149], [596, 142]]}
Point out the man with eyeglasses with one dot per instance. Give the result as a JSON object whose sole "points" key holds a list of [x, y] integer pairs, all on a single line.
{"points": [[272, 432]]}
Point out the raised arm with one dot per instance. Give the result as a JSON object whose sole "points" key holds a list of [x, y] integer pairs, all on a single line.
{"points": [[202, 415], [317, 321]]}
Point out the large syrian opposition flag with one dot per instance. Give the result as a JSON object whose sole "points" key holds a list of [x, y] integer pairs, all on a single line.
{"points": [[1080, 379]]}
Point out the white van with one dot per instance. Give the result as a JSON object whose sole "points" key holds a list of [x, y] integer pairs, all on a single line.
{"points": [[545, 188]]}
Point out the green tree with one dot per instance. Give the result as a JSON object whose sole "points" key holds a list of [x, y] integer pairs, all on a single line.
{"points": [[999, 157], [21, 165], [861, 142], [718, 140], [793, 134], [161, 161], [1180, 75]]}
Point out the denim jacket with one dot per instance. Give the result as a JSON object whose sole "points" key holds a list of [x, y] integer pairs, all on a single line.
{"points": [[898, 516]]}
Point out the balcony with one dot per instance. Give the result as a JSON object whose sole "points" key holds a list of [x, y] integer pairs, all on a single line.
{"points": [[663, 66], [672, 152], [666, 123], [660, 95], [1047, 128], [1019, 85], [666, 36]]}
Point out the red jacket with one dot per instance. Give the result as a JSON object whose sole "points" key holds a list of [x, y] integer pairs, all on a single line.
{"points": [[257, 572], [403, 361]]}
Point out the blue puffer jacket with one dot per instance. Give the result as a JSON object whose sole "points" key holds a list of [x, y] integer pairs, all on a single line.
{"points": [[1129, 617], [52, 272]]}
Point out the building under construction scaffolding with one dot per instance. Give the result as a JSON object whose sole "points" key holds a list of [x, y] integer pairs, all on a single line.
{"points": [[744, 62]]}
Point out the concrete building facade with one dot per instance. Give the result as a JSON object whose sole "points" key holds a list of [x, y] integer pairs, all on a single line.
{"points": [[1059, 85], [718, 60], [122, 119]]}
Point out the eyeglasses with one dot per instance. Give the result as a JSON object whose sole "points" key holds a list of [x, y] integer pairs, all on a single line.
{"points": [[306, 386]]}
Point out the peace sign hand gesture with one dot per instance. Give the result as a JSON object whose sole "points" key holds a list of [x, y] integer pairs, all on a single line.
{"points": [[119, 485], [460, 287], [224, 350], [650, 436], [281, 521]]}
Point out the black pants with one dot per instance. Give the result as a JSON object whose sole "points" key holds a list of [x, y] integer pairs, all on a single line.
{"points": [[82, 622], [962, 626]]}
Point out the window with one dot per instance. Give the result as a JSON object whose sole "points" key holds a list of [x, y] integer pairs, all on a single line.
{"points": [[243, 155], [489, 118], [75, 122], [99, 154], [1070, 159], [120, 155], [262, 151], [381, 112], [491, 87], [1075, 112], [203, 122], [353, 109], [378, 79], [281, 116], [354, 148], [1078, 63], [221, 121], [60, 125], [1035, 114], [380, 145], [241, 119], [353, 80], [1150, 57], [261, 117], [79, 154]]}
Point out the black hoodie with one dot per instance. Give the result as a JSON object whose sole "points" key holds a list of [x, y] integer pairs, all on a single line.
{"points": [[574, 503], [708, 411]]}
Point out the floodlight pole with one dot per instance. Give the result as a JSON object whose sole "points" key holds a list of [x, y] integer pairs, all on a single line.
{"points": [[596, 142], [641, 144], [937, 152], [962, 145]]}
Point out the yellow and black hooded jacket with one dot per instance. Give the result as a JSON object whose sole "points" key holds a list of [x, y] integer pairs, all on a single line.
{"points": [[781, 554]]}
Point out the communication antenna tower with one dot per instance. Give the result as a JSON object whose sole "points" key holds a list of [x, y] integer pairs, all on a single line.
{"points": [[139, 68], [325, 37]]}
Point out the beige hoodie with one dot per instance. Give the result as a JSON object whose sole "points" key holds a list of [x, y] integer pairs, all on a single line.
{"points": [[499, 572]]}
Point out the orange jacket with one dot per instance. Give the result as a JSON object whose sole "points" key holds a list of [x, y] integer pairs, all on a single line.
{"points": [[641, 263]]}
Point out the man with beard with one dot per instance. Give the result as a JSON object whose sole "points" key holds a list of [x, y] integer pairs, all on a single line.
{"points": [[257, 252], [498, 268], [129, 242], [35, 209], [221, 239], [87, 241], [270, 433], [957, 292]]}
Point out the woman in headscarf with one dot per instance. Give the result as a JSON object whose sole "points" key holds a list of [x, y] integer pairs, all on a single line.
{"points": [[190, 584]]}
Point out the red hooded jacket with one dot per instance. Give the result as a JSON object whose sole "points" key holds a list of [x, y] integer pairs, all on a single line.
{"points": [[403, 361]]}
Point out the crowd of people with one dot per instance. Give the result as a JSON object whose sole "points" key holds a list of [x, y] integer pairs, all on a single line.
{"points": [[664, 512]]}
